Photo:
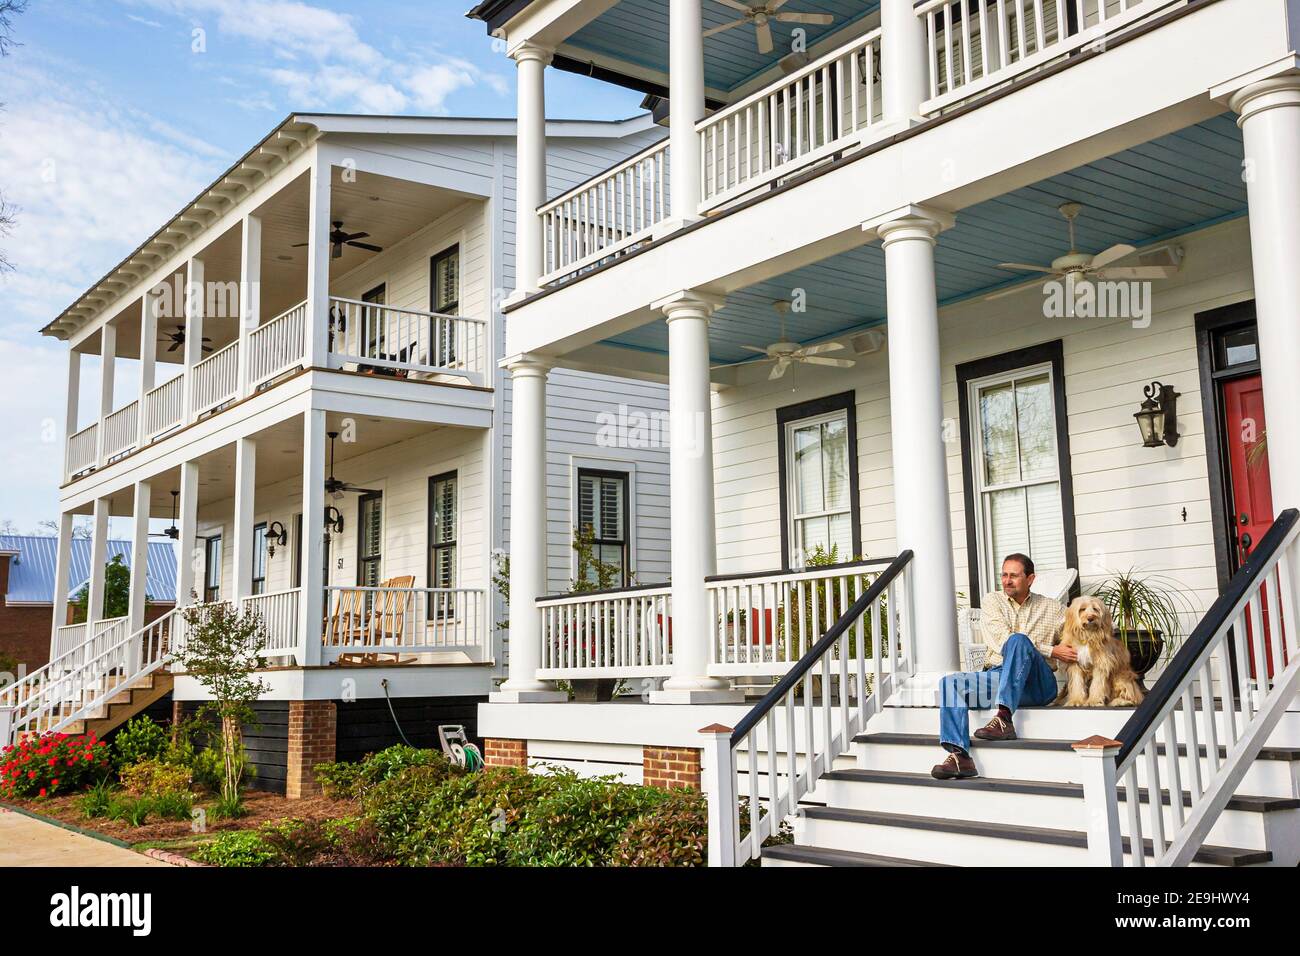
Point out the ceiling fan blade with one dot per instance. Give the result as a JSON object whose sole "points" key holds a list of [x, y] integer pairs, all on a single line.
{"points": [[175, 346], [367, 246], [819, 18], [299, 245], [1137, 272], [754, 348], [778, 370], [360, 491], [740, 363], [776, 5], [726, 26], [823, 347], [1003, 293], [764, 33], [348, 237], [735, 5], [1111, 254], [1025, 267], [835, 363]]}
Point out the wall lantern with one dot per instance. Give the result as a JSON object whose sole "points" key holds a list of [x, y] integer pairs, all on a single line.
{"points": [[1158, 417], [275, 534], [333, 520]]}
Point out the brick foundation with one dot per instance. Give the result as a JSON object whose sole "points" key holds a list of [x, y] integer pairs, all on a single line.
{"points": [[312, 731], [502, 752], [671, 768]]}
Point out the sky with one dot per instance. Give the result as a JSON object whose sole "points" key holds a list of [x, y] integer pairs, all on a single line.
{"points": [[117, 112]]}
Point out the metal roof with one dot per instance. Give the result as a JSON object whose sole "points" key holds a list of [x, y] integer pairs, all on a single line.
{"points": [[31, 572]]}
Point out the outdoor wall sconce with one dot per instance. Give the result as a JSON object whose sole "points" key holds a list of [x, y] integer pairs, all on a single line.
{"points": [[333, 520], [275, 534], [1158, 417]]}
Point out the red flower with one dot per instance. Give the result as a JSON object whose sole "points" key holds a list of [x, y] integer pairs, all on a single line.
{"points": [[54, 782], [42, 791], [31, 774]]}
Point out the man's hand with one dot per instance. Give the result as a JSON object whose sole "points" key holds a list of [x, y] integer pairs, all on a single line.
{"points": [[1063, 653]]}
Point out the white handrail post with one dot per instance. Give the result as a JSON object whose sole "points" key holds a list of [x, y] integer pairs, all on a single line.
{"points": [[720, 788], [1101, 802], [6, 725]]}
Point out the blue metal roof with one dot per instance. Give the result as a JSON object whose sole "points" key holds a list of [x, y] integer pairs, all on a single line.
{"points": [[31, 572]]}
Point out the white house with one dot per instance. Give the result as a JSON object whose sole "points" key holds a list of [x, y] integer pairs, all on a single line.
{"points": [[914, 270], [322, 416]]}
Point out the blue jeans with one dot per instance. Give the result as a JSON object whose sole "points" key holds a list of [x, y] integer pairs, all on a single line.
{"points": [[1023, 677]]}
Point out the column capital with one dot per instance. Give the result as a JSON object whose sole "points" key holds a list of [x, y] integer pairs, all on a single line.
{"points": [[1264, 95], [913, 221], [529, 51], [527, 363], [688, 303]]}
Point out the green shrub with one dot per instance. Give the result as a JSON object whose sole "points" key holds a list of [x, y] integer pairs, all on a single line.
{"points": [[95, 801], [153, 777], [673, 833], [51, 764], [128, 809], [172, 805], [228, 808], [297, 842], [342, 781], [140, 739], [237, 848], [339, 781]]}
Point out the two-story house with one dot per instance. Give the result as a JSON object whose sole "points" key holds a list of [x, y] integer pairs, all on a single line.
{"points": [[322, 416], [931, 282]]}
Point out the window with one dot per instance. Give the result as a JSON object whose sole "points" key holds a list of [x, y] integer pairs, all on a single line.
{"points": [[444, 299], [1019, 496], [370, 539], [259, 558], [212, 569], [372, 323], [603, 509], [819, 479], [442, 536]]}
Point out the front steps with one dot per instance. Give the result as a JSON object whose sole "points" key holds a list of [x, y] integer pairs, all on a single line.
{"points": [[1026, 808], [118, 709]]}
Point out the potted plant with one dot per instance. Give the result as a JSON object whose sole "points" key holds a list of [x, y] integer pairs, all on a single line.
{"points": [[1145, 612]]}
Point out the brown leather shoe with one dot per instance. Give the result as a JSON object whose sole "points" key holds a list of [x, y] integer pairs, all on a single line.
{"points": [[999, 728], [954, 767]]}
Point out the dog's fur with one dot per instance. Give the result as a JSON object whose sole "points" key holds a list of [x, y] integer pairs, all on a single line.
{"points": [[1103, 675]]}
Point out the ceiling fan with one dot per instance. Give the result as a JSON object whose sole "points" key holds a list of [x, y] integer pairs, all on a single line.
{"points": [[334, 486], [177, 337], [762, 16], [173, 532], [784, 353], [1075, 265], [339, 239]]}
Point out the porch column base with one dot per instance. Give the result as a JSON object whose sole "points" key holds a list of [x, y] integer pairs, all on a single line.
{"points": [[671, 225], [313, 727], [700, 693], [540, 696]]}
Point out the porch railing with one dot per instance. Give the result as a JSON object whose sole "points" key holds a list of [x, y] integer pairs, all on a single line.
{"points": [[973, 47], [817, 110], [1205, 749], [82, 448], [121, 430], [607, 214], [164, 407], [385, 339], [276, 346], [622, 633], [66, 637], [216, 379], [397, 621], [763, 624], [860, 660], [279, 613]]}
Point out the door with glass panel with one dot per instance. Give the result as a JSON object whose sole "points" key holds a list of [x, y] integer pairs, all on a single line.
{"points": [[820, 510], [1016, 471]]}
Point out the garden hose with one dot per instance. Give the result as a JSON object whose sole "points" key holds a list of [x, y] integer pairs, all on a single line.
{"points": [[384, 684]]}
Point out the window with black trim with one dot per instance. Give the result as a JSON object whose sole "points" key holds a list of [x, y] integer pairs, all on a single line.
{"points": [[444, 300], [817, 459], [370, 539], [603, 512], [259, 558], [212, 569], [442, 530]]}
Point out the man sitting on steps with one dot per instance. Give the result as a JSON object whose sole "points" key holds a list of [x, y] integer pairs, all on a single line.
{"points": [[1020, 629]]}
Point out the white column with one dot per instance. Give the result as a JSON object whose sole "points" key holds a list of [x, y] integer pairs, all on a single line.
{"points": [[685, 109], [107, 368], [1270, 125], [148, 358], [73, 406], [98, 556], [250, 292], [905, 73], [139, 556], [189, 556], [316, 328], [62, 564], [530, 166], [311, 599], [527, 531], [694, 540], [194, 302], [245, 485], [921, 504]]}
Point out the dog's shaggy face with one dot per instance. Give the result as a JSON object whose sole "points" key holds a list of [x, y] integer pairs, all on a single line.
{"points": [[1089, 614], [1103, 673]]}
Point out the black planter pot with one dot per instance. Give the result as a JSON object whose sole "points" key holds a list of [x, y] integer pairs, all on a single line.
{"points": [[1145, 648], [595, 691]]}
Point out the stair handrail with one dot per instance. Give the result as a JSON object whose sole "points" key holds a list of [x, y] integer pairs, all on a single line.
{"points": [[726, 845], [1261, 590], [62, 695]]}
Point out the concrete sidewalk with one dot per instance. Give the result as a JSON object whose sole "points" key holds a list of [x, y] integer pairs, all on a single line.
{"points": [[25, 841]]}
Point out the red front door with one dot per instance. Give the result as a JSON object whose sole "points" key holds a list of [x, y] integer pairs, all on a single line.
{"points": [[1252, 495]]}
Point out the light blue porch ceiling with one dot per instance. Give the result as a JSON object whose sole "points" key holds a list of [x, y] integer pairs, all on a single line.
{"points": [[1171, 185], [636, 31]]}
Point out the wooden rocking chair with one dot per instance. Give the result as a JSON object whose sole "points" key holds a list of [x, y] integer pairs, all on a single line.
{"points": [[387, 623], [347, 620]]}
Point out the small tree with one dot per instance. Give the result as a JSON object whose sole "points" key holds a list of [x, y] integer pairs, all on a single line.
{"points": [[117, 592], [222, 648]]}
